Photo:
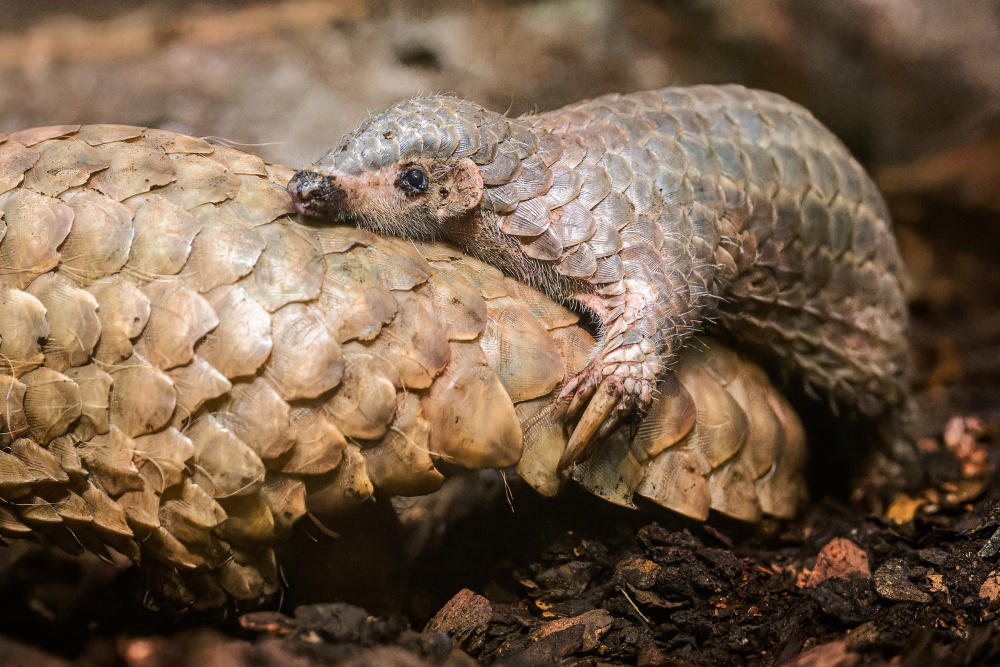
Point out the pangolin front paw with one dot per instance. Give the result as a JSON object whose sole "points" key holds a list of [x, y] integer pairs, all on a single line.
{"points": [[611, 392]]}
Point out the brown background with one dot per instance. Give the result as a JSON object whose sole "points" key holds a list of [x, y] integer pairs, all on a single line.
{"points": [[897, 79]]}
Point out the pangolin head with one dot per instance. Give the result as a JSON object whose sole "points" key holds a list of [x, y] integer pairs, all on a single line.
{"points": [[407, 171], [412, 170]]}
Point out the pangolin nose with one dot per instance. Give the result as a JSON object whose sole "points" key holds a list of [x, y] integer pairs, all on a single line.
{"points": [[311, 191]]}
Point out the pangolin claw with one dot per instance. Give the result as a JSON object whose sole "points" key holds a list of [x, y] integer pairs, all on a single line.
{"points": [[576, 394], [602, 415]]}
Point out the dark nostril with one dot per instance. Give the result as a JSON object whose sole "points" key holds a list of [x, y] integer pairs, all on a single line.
{"points": [[306, 184], [302, 184], [313, 192]]}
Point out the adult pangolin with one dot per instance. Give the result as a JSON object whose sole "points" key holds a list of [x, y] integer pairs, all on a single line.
{"points": [[660, 213], [187, 369]]}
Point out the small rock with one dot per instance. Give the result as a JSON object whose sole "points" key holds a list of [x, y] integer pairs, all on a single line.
{"points": [[573, 607], [568, 580], [849, 601], [992, 546], [595, 624], [464, 618], [990, 590], [839, 559], [549, 650], [638, 573], [933, 556], [892, 583]]}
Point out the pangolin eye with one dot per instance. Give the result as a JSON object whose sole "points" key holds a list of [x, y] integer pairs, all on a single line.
{"points": [[413, 181]]}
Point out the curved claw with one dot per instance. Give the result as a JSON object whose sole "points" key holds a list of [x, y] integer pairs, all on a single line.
{"points": [[578, 391], [598, 419]]}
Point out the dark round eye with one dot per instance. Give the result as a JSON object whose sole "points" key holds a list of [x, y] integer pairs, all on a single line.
{"points": [[413, 181]]}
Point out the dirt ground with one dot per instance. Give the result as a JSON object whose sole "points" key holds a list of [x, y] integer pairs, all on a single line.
{"points": [[913, 86]]}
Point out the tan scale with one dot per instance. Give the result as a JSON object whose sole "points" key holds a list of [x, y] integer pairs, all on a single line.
{"points": [[187, 368]]}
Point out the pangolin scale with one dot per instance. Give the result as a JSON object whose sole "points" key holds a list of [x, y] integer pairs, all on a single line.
{"points": [[661, 213], [188, 368]]}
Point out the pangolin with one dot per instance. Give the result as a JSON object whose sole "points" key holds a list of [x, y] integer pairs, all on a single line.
{"points": [[187, 368], [659, 214]]}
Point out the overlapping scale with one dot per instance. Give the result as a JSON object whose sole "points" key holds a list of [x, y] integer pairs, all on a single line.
{"points": [[164, 232], [134, 169], [36, 225], [68, 165]]}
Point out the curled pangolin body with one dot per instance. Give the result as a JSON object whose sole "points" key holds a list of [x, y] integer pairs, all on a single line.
{"points": [[187, 368], [664, 213]]}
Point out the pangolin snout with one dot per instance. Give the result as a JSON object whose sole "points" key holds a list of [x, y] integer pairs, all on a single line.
{"points": [[313, 192]]}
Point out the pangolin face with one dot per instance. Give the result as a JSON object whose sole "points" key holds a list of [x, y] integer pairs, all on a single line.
{"points": [[404, 172]]}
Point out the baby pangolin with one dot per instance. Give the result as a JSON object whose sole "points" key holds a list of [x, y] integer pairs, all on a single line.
{"points": [[660, 213]]}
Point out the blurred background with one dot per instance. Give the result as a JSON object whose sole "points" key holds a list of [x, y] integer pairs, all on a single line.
{"points": [[898, 79], [912, 86]]}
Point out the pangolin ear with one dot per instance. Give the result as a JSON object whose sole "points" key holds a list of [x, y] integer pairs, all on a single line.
{"points": [[468, 184]]}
